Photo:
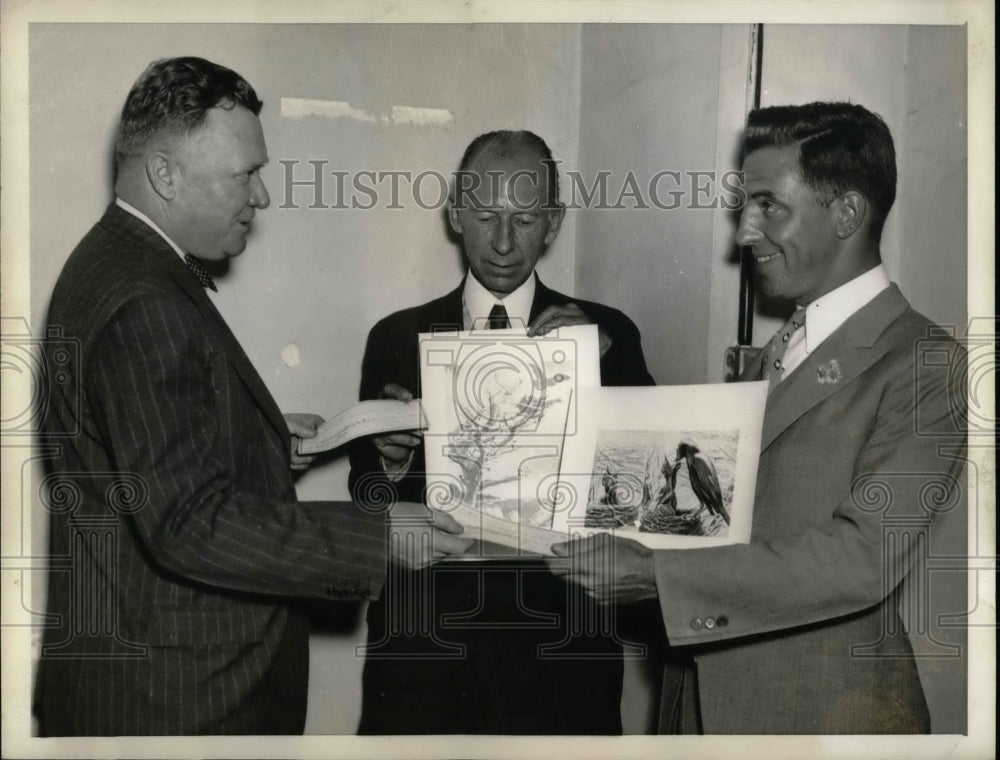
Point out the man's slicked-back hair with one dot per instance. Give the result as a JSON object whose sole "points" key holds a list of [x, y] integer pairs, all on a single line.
{"points": [[842, 146], [173, 96], [508, 142]]}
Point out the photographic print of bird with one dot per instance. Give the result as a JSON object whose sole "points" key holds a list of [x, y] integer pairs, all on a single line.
{"points": [[704, 479]]}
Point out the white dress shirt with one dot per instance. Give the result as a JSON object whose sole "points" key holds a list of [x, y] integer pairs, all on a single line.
{"points": [[477, 302], [827, 313], [142, 217]]}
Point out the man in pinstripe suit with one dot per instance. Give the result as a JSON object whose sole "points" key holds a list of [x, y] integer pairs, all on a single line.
{"points": [[177, 540]]}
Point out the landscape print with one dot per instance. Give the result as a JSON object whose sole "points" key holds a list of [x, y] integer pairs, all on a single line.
{"points": [[671, 482]]}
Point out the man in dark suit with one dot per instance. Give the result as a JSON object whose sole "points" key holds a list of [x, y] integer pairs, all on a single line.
{"points": [[178, 544], [863, 443], [486, 673]]}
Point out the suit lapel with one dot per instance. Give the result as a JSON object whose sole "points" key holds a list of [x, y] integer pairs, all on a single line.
{"points": [[240, 362], [544, 297], [451, 314], [166, 259], [841, 358]]}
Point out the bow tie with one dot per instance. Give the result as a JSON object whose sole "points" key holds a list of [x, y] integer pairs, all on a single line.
{"points": [[200, 273]]}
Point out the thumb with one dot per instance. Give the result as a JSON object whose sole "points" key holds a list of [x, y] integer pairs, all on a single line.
{"points": [[445, 522]]}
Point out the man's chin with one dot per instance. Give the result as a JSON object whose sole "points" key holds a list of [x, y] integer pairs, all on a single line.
{"points": [[503, 285], [233, 251]]}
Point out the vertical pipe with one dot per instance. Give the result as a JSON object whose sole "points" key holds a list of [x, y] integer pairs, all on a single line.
{"points": [[744, 327]]}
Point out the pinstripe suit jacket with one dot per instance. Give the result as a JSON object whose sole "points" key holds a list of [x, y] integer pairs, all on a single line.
{"points": [[799, 631], [176, 537]]}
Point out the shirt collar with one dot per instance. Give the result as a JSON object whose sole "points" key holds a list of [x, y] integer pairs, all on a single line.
{"points": [[828, 312], [477, 302], [125, 206]]}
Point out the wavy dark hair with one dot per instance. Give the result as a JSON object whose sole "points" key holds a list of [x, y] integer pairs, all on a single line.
{"points": [[842, 146], [173, 96]]}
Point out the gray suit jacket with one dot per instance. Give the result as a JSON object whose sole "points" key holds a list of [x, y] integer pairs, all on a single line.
{"points": [[798, 631], [176, 537]]}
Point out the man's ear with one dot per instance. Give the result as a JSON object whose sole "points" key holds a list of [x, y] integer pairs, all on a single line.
{"points": [[850, 210], [159, 172], [555, 213], [453, 220]]}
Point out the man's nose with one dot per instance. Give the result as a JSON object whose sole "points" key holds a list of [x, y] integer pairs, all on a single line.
{"points": [[748, 232], [259, 197], [503, 236]]}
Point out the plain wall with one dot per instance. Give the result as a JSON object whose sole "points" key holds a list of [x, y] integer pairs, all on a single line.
{"points": [[649, 99]]}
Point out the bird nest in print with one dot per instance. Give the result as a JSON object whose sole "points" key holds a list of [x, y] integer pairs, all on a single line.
{"points": [[666, 482]]}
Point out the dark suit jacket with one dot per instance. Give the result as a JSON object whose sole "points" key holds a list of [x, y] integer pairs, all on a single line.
{"points": [[175, 531], [494, 649], [799, 631]]}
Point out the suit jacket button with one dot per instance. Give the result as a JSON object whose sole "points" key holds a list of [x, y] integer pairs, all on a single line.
{"points": [[331, 591], [710, 623], [696, 624], [722, 621]]}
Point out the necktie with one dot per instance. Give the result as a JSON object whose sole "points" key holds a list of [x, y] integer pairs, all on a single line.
{"points": [[200, 273], [498, 317], [771, 368]]}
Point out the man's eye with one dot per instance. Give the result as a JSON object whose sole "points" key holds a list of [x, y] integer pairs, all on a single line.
{"points": [[524, 221], [485, 217]]}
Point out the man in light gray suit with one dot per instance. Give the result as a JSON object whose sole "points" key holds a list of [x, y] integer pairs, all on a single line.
{"points": [[178, 544], [863, 441]]}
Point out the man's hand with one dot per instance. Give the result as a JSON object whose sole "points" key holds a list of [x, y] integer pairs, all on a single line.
{"points": [[396, 449], [420, 535], [302, 426], [612, 570], [564, 316]]}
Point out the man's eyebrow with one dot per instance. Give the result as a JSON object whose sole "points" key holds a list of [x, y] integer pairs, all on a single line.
{"points": [[765, 194]]}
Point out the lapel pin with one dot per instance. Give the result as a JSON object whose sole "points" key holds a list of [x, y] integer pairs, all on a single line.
{"points": [[829, 372]]}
